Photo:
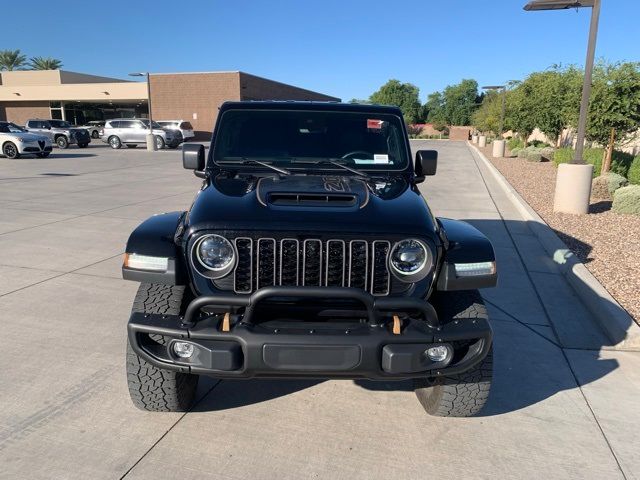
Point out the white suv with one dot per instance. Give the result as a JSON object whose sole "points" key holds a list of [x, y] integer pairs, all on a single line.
{"points": [[133, 132], [185, 127]]}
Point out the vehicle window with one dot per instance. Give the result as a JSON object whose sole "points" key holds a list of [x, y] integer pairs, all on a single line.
{"points": [[186, 126], [35, 124], [15, 128], [128, 124], [146, 123], [59, 124], [4, 128], [367, 140]]}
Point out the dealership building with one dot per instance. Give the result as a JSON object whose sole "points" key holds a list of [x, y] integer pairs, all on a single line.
{"points": [[79, 98]]}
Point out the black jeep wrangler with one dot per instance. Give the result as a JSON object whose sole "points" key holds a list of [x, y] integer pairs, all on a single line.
{"points": [[309, 252]]}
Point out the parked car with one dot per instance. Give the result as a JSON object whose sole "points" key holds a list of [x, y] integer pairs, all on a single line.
{"points": [[61, 132], [94, 127], [16, 141], [309, 252], [185, 128], [133, 132]]}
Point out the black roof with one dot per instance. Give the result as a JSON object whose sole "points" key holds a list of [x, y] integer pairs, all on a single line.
{"points": [[310, 105]]}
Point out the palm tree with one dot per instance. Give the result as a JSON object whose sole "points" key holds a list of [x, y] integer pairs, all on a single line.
{"points": [[12, 60], [45, 63]]}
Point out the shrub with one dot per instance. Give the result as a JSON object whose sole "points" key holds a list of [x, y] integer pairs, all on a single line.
{"points": [[534, 156], [634, 171], [539, 143], [591, 155], [414, 130], [514, 143], [605, 185], [522, 153], [627, 200], [563, 155], [514, 151], [548, 153]]}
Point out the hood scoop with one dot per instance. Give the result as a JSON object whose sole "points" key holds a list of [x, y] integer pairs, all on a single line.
{"points": [[313, 191], [312, 200]]}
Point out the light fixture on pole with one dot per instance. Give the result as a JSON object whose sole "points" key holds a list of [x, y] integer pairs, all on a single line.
{"points": [[151, 139], [573, 182], [499, 143]]}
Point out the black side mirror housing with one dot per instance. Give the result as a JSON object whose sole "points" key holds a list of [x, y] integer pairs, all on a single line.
{"points": [[193, 158], [426, 164]]}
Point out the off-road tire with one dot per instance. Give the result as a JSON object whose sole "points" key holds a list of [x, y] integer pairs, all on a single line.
{"points": [[151, 388], [464, 394], [62, 142], [10, 150]]}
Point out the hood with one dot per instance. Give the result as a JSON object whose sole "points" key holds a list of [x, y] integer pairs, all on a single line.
{"points": [[307, 203], [29, 137]]}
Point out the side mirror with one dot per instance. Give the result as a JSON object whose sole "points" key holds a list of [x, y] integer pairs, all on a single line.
{"points": [[426, 164], [193, 157]]}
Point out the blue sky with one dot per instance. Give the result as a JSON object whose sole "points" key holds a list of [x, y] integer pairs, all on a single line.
{"points": [[345, 48]]}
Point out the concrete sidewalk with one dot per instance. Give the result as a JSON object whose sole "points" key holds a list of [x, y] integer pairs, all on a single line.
{"points": [[560, 407]]}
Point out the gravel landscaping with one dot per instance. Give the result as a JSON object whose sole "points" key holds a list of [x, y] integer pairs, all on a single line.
{"points": [[606, 242]]}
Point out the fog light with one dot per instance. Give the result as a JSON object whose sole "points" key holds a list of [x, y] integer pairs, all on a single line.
{"points": [[183, 349], [438, 354]]}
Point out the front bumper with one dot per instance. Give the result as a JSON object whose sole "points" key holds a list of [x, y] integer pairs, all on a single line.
{"points": [[34, 148], [249, 348]]}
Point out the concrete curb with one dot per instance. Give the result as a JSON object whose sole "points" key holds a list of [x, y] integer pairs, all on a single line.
{"points": [[614, 320]]}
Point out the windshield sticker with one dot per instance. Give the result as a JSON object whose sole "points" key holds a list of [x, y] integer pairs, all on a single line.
{"points": [[364, 161], [380, 158], [374, 124]]}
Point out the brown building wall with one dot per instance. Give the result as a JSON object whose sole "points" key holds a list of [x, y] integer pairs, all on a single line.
{"points": [[20, 112], [180, 96], [459, 133], [257, 88]]}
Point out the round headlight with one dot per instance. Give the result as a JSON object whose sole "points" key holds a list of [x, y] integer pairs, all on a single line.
{"points": [[410, 260], [215, 253]]}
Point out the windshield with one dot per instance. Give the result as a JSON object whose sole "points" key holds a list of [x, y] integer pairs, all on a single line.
{"points": [[11, 128], [146, 123], [295, 137], [60, 124]]}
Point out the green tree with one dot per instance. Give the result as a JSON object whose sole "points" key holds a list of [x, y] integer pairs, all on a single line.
{"points": [[487, 117], [460, 101], [435, 108], [12, 60], [615, 101], [520, 106], [45, 63], [403, 95]]}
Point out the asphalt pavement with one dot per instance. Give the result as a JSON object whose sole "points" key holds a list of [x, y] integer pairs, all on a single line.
{"points": [[563, 404]]}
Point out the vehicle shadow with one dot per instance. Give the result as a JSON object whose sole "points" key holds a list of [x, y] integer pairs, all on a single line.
{"points": [[530, 365], [60, 155]]}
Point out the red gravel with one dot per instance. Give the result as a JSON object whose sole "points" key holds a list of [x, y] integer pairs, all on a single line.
{"points": [[606, 242]]}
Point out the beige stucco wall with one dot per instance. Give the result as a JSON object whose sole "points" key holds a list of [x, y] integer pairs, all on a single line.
{"points": [[94, 92]]}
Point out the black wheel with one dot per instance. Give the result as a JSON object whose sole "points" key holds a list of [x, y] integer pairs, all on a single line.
{"points": [[115, 142], [159, 143], [43, 154], [95, 134], [10, 150], [131, 145], [152, 388], [464, 394], [83, 145], [62, 142]]}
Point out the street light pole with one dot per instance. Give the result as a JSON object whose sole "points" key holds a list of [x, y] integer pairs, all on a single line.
{"points": [[151, 139], [586, 86], [573, 181]]}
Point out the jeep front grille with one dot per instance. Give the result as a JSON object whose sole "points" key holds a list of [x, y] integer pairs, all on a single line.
{"points": [[312, 262]]}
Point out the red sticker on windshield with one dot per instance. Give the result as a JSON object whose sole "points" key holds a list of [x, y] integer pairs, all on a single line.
{"points": [[376, 124]]}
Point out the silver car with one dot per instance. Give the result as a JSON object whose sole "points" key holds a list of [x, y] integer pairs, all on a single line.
{"points": [[133, 132]]}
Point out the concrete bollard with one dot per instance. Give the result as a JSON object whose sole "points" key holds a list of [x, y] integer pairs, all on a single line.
{"points": [[573, 188], [474, 138], [151, 143], [482, 141], [498, 148]]}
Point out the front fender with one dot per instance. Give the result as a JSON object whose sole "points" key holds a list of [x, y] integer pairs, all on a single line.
{"points": [[155, 238], [465, 244]]}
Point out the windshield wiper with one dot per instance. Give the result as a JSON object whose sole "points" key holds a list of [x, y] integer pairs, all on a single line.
{"points": [[250, 161], [337, 163]]}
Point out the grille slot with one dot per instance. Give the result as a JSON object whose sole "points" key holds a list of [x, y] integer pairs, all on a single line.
{"points": [[312, 262]]}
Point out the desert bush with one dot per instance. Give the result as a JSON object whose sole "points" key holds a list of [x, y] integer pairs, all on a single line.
{"points": [[514, 151], [514, 143], [539, 143], [522, 153], [634, 171], [605, 185], [534, 156], [414, 130], [627, 200], [548, 153]]}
